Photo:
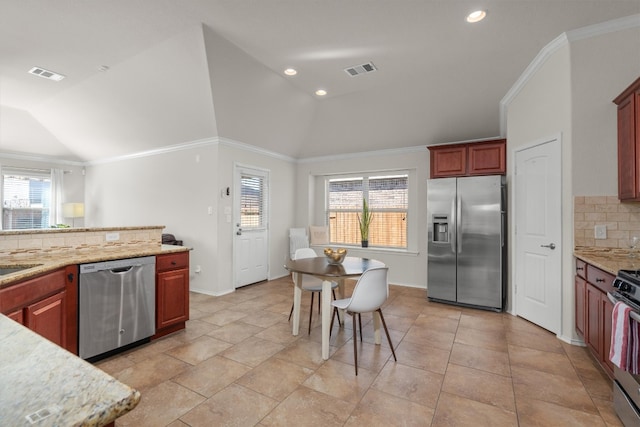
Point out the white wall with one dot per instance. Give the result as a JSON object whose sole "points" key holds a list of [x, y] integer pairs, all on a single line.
{"points": [[173, 189], [282, 202], [176, 189], [601, 68], [542, 110], [408, 268]]}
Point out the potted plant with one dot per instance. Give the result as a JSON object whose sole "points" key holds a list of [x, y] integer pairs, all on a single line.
{"points": [[365, 219]]}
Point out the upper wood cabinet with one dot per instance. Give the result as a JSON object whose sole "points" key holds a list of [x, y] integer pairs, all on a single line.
{"points": [[477, 158], [628, 103]]}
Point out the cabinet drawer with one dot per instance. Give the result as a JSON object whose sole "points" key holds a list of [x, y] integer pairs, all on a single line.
{"points": [[32, 290], [581, 268], [172, 261], [599, 278]]}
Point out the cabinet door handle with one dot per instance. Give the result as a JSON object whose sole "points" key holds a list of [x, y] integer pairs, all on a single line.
{"points": [[598, 280], [173, 263], [70, 277]]}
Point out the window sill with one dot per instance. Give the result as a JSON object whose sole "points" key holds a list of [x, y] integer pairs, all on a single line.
{"points": [[350, 249]]}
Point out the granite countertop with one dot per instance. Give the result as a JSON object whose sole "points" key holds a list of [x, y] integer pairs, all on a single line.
{"points": [[608, 259], [44, 261], [39, 377]]}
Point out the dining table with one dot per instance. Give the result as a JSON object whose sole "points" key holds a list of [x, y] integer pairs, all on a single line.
{"points": [[320, 267]]}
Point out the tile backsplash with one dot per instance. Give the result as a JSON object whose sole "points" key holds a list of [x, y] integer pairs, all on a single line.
{"points": [[620, 219]]}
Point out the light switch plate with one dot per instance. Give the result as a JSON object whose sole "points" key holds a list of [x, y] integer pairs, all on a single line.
{"points": [[601, 231]]}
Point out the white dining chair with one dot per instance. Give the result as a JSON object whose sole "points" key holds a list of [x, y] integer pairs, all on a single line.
{"points": [[310, 283], [370, 292]]}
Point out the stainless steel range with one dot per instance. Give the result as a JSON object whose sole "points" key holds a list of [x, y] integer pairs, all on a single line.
{"points": [[626, 387]]}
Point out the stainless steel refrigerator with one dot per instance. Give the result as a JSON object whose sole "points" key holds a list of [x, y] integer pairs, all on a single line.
{"points": [[466, 241]]}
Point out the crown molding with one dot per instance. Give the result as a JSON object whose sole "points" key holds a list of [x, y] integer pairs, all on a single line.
{"points": [[155, 152], [387, 152], [562, 40], [40, 159], [252, 148]]}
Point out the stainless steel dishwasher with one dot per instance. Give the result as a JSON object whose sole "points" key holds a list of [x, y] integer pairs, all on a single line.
{"points": [[116, 305]]}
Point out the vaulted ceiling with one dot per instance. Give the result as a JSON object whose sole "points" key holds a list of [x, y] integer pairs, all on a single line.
{"points": [[185, 71]]}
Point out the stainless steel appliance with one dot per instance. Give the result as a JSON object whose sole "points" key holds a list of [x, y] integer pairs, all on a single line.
{"points": [[466, 241], [116, 305], [626, 387]]}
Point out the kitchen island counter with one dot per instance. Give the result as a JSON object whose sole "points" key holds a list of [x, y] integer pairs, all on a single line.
{"points": [[40, 378], [43, 261]]}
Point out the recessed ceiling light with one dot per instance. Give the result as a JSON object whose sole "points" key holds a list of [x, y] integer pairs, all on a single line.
{"points": [[476, 16], [321, 92], [290, 71]]}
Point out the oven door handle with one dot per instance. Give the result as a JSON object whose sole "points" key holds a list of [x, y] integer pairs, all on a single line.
{"points": [[635, 316]]}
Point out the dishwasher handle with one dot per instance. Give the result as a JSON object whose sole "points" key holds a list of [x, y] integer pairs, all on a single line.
{"points": [[122, 270]]}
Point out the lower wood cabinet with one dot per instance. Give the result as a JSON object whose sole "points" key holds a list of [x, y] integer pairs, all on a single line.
{"points": [[45, 304], [580, 291], [172, 292], [48, 318], [593, 311]]}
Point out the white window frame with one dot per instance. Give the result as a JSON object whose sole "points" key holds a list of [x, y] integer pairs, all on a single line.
{"points": [[365, 176]]}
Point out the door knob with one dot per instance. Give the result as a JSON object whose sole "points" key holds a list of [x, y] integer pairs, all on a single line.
{"points": [[551, 246], [239, 232]]}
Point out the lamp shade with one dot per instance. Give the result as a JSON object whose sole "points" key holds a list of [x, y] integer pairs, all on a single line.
{"points": [[73, 210]]}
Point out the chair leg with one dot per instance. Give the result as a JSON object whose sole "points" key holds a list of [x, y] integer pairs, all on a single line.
{"points": [[360, 322], [355, 342], [386, 331], [311, 311], [320, 293], [333, 291], [333, 316], [290, 313]]}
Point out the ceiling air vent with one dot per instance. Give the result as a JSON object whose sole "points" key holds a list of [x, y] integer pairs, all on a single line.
{"points": [[357, 70], [41, 72]]}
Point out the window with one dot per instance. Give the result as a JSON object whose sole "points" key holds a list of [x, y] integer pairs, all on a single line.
{"points": [[252, 196], [26, 199], [387, 196]]}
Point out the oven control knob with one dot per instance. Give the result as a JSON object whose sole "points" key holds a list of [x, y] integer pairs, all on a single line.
{"points": [[624, 287], [616, 283]]}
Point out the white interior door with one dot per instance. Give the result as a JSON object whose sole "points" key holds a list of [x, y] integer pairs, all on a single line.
{"points": [[251, 201], [538, 216]]}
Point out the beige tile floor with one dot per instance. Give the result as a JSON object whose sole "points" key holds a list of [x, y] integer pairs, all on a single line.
{"points": [[237, 364]]}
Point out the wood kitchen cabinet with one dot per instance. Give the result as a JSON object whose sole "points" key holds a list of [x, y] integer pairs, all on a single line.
{"points": [[471, 159], [45, 304], [628, 103], [593, 311], [580, 290], [172, 292]]}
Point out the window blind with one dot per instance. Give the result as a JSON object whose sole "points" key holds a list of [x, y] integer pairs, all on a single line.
{"points": [[387, 197], [26, 198], [252, 202]]}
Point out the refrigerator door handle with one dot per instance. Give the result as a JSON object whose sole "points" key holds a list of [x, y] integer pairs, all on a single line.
{"points": [[459, 223], [452, 236], [502, 230]]}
